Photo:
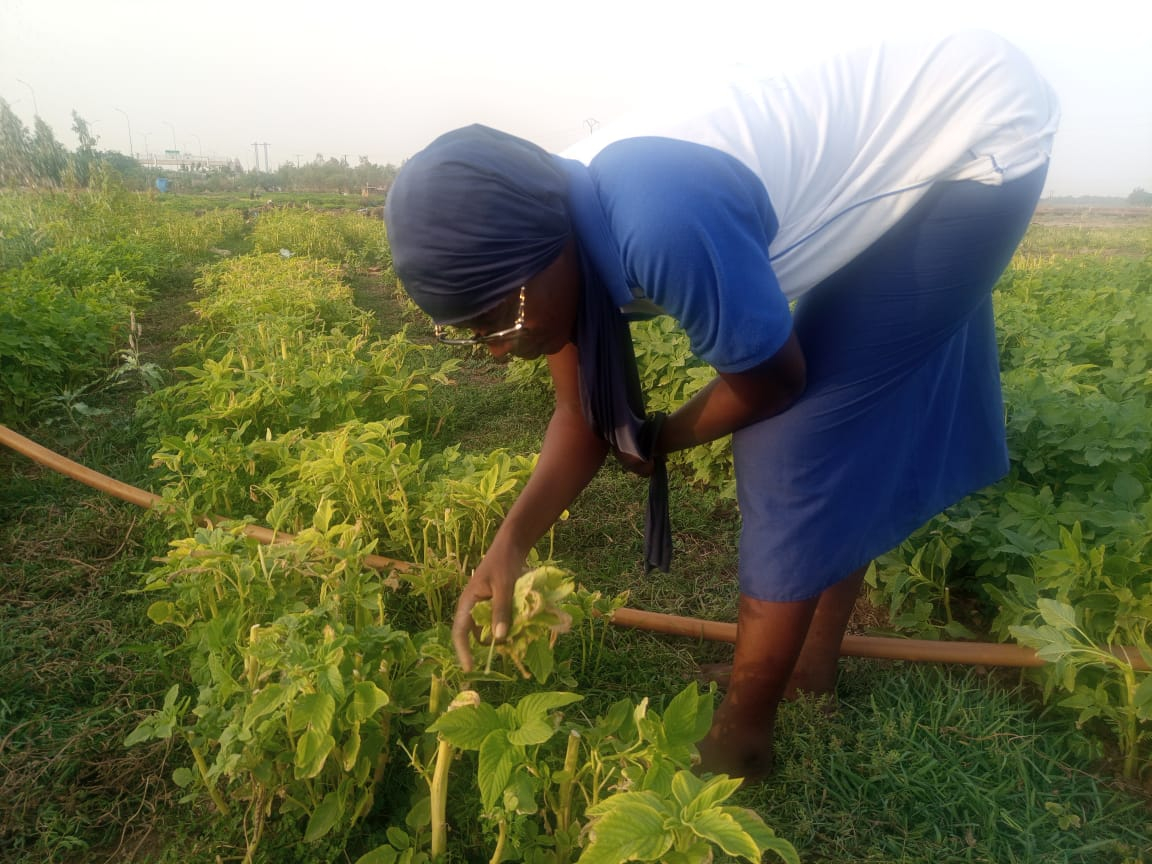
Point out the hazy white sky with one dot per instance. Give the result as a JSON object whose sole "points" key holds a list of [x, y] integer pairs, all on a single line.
{"points": [[381, 78]]}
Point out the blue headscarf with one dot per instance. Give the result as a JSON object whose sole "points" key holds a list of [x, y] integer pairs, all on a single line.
{"points": [[479, 212], [473, 216]]}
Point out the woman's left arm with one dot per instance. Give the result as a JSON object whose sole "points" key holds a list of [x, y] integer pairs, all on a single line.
{"points": [[733, 400]]}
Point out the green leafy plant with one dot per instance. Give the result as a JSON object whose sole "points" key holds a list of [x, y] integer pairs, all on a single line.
{"points": [[538, 618], [347, 238], [1122, 699], [297, 669], [682, 826]]}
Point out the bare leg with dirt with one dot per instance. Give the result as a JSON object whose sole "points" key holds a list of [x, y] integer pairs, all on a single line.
{"points": [[815, 669], [769, 637]]}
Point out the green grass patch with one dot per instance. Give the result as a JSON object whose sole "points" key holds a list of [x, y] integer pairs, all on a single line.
{"points": [[922, 763]]}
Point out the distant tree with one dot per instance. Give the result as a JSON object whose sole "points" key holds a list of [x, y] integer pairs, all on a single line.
{"points": [[331, 175], [16, 167], [86, 153], [1140, 198], [130, 170], [49, 158], [40, 159]]}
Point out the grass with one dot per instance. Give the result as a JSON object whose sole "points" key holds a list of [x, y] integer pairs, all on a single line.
{"points": [[77, 667], [916, 764], [924, 763]]}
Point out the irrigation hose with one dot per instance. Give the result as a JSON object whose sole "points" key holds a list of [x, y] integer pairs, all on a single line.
{"points": [[139, 497], [877, 647]]}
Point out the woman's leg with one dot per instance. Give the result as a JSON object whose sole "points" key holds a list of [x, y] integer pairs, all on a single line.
{"points": [[769, 638], [815, 669], [781, 648]]}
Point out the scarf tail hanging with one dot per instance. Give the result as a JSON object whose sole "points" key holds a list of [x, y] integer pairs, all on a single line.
{"points": [[613, 404]]}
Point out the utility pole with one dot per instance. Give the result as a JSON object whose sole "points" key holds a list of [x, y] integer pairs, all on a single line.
{"points": [[266, 168], [256, 153], [125, 113]]}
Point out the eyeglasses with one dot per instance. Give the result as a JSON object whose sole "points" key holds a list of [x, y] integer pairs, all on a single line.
{"points": [[449, 337]]}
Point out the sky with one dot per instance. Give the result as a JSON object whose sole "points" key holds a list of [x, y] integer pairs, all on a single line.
{"points": [[381, 78]]}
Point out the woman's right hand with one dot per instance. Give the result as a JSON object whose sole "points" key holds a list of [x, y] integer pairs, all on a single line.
{"points": [[495, 580], [569, 457]]}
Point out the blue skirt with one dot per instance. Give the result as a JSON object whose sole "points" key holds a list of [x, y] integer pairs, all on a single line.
{"points": [[903, 414]]}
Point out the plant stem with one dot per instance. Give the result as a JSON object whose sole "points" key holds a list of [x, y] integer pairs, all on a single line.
{"points": [[258, 824], [501, 842], [438, 789], [1131, 733], [564, 809], [491, 654], [382, 759], [213, 792], [571, 756]]}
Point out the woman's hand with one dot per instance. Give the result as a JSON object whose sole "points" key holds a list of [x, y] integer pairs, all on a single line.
{"points": [[495, 580], [569, 457], [634, 464]]}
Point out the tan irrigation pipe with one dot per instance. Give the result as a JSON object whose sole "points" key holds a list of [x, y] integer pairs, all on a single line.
{"points": [[147, 500], [877, 647], [916, 650]]}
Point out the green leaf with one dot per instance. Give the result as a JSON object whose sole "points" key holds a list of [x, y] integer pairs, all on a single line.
{"points": [[1050, 643], [1056, 614], [467, 727], [350, 751], [379, 855], [720, 829], [659, 776], [162, 611], [1068, 675], [312, 751], [706, 795], [681, 717], [324, 817], [539, 660], [498, 757], [627, 827], [685, 787], [763, 836], [1142, 698], [533, 732], [333, 681], [420, 814], [183, 777], [316, 710], [698, 853], [144, 732], [398, 838], [536, 706], [1127, 488], [367, 699], [520, 794], [267, 700]]}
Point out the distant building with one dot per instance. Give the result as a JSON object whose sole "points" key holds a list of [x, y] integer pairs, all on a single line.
{"points": [[175, 160]]}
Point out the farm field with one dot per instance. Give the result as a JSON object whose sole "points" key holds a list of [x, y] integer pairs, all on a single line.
{"points": [[174, 692]]}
